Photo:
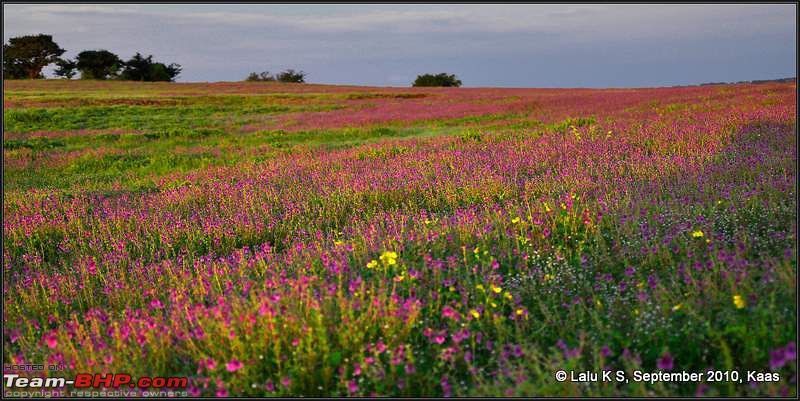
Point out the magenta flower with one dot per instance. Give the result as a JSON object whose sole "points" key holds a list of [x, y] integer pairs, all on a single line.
{"points": [[451, 313], [790, 351], [233, 365], [51, 339], [777, 358], [665, 362]]}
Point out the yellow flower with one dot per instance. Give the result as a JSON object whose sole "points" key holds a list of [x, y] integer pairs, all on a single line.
{"points": [[677, 307], [549, 276], [337, 242], [546, 207], [515, 220], [452, 289], [739, 302], [480, 287], [494, 305], [563, 206], [636, 312], [496, 290], [474, 313], [508, 295], [520, 312], [389, 258], [697, 234], [372, 264]]}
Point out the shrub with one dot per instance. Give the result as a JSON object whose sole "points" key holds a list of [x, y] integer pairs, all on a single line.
{"points": [[441, 79], [293, 76]]}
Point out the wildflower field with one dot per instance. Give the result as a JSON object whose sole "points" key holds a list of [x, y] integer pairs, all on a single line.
{"points": [[277, 239]]}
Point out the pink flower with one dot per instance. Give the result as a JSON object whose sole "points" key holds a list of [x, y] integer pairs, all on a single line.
{"points": [[286, 381], [450, 313], [156, 303], [211, 364], [234, 365], [352, 386], [51, 340]]}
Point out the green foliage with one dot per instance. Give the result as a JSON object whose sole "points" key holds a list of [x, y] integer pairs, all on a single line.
{"points": [[25, 56], [98, 64], [140, 68], [66, 68], [291, 76], [287, 76], [441, 79], [35, 144], [572, 122], [263, 76]]}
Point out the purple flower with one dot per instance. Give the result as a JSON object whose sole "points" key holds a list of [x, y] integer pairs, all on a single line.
{"points": [[665, 362], [790, 351], [777, 358], [410, 369], [234, 365]]}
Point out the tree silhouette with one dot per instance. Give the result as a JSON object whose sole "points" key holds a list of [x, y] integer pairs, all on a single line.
{"points": [[441, 79], [26, 56]]}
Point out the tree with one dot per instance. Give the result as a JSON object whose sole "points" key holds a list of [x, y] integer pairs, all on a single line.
{"points": [[26, 56], [441, 79], [291, 75], [262, 76], [66, 68], [140, 68], [162, 72], [98, 64], [137, 68]]}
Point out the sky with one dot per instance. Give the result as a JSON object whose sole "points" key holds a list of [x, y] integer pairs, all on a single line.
{"points": [[500, 45]]}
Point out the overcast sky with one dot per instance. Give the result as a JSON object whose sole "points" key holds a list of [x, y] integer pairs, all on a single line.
{"points": [[485, 45]]}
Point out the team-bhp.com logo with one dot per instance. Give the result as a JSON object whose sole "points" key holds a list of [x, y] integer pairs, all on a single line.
{"points": [[25, 385]]}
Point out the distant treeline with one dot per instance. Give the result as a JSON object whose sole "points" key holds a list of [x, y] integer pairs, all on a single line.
{"points": [[757, 81], [24, 57]]}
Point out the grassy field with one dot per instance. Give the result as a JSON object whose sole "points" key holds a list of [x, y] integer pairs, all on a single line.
{"points": [[287, 239]]}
